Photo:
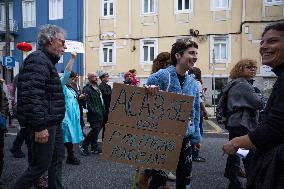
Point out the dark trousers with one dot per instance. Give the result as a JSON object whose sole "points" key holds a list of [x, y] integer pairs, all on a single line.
{"points": [[2, 135], [184, 167], [93, 135], [23, 135], [234, 161], [69, 147], [104, 127], [48, 156]]}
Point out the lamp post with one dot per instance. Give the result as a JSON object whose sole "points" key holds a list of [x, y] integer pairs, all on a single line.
{"points": [[213, 78]]}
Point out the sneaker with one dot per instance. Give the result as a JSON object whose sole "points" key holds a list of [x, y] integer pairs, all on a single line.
{"points": [[17, 153], [84, 151], [98, 151], [171, 176], [73, 161]]}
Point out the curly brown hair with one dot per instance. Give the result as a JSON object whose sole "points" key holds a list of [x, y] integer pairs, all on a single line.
{"points": [[238, 70], [161, 61], [179, 47]]}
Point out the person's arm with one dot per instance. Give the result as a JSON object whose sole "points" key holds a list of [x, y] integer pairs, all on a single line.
{"points": [[68, 69], [233, 145], [195, 116], [71, 61], [88, 98], [153, 84]]}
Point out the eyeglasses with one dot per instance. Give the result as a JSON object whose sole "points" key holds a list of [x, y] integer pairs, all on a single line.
{"points": [[62, 41]]}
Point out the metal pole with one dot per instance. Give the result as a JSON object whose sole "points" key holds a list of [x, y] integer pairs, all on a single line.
{"points": [[7, 38], [213, 76]]}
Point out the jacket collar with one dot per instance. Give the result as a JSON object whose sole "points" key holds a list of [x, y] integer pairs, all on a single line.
{"points": [[279, 69], [54, 59], [174, 78]]}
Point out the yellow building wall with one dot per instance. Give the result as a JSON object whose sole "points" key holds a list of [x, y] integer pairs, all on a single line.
{"points": [[128, 26]]}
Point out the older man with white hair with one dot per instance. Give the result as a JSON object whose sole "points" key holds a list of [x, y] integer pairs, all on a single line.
{"points": [[41, 108]]}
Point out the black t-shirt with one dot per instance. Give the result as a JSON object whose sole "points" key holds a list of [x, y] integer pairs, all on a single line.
{"points": [[181, 79]]}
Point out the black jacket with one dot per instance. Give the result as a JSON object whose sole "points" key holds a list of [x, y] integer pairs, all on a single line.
{"points": [[106, 92], [40, 95], [271, 132], [267, 166]]}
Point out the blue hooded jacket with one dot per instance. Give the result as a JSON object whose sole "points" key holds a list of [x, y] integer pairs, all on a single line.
{"points": [[167, 80]]}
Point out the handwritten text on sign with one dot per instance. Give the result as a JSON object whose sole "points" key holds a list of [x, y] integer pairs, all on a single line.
{"points": [[74, 46], [143, 130], [164, 112]]}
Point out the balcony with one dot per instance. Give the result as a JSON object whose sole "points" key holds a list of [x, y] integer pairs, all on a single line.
{"points": [[13, 26]]}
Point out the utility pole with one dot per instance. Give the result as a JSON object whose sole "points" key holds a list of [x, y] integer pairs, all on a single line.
{"points": [[7, 74], [213, 76]]}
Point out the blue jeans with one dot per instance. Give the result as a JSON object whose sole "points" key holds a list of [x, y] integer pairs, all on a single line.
{"points": [[48, 156]]}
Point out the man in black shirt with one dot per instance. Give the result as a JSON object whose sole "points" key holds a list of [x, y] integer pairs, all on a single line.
{"points": [[267, 166]]}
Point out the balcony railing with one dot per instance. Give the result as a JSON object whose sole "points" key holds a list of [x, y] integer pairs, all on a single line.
{"points": [[13, 26]]}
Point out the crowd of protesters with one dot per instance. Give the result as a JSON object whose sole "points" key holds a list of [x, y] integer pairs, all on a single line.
{"points": [[49, 109]]}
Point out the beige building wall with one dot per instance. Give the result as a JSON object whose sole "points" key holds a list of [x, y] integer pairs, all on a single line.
{"points": [[240, 25]]}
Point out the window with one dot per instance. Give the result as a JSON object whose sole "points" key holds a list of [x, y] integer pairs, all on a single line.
{"points": [[55, 9], [3, 16], [2, 12], [148, 50], [183, 6], [221, 47], [107, 8], [273, 2], [148, 6], [107, 53], [220, 4], [29, 13]]}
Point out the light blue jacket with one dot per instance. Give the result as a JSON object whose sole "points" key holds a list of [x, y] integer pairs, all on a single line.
{"points": [[167, 80], [71, 127]]}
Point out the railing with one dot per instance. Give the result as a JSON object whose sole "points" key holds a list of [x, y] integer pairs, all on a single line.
{"points": [[13, 26]]}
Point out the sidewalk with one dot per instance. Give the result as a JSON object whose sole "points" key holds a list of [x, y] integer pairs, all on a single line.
{"points": [[211, 127]]}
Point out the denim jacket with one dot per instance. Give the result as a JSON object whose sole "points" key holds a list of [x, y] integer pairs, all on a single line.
{"points": [[167, 80]]}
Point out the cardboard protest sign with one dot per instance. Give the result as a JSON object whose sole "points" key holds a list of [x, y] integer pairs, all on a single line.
{"points": [[74, 46], [141, 148], [144, 130], [164, 112]]}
